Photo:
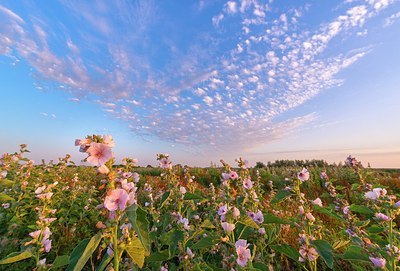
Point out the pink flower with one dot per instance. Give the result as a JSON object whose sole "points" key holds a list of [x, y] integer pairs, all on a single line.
{"points": [[103, 169], [117, 199], [99, 154], [381, 217], [258, 217], [242, 252], [3, 174], [6, 205], [397, 204], [346, 210], [109, 141], [301, 210], [47, 245], [310, 217], [225, 176], [189, 252], [182, 190], [165, 163], [42, 262], [247, 184], [35, 234], [136, 177], [236, 212], [233, 175], [371, 195], [378, 262], [228, 227], [308, 253], [317, 201], [261, 231], [40, 189], [223, 210], [303, 175]]}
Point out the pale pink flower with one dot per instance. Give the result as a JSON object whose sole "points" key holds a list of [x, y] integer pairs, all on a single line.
{"points": [[79, 142], [117, 199], [136, 177], [40, 189], [225, 176], [6, 205], [380, 191], [47, 245], [258, 217], [346, 210], [165, 163], [131, 198], [128, 186], [381, 217], [163, 268], [103, 169], [100, 225], [310, 217], [185, 223], [223, 210], [228, 227], [42, 262], [397, 204], [247, 183], [236, 212], [378, 262], [242, 252], [303, 175], [189, 252], [261, 231], [47, 195], [182, 190], [309, 253], [109, 141], [35, 234], [371, 195], [99, 154], [317, 201], [3, 174], [301, 210]]}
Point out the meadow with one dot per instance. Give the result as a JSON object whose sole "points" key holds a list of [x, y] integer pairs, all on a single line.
{"points": [[60, 216]]}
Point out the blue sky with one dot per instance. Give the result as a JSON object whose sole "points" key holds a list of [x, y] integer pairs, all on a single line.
{"points": [[203, 80]]}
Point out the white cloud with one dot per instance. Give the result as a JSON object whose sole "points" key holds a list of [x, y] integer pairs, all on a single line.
{"points": [[215, 90]]}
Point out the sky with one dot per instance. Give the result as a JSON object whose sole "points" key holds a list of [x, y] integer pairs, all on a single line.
{"points": [[203, 80]]}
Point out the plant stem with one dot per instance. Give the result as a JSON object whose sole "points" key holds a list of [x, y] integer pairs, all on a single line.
{"points": [[115, 247]]}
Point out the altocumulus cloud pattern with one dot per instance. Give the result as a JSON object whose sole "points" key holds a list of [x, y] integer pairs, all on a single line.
{"points": [[198, 73]]}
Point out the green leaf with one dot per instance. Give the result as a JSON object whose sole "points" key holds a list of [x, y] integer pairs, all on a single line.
{"points": [[207, 224], [16, 257], [327, 212], [164, 198], [190, 196], [261, 266], [60, 261], [361, 209], [137, 217], [281, 195], [208, 241], [104, 262], [272, 219], [325, 250], [136, 251], [4, 197], [158, 256], [362, 223], [172, 238], [376, 229], [287, 250], [247, 221], [355, 253], [82, 252]]}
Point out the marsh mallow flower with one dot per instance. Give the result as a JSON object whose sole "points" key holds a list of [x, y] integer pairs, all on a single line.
{"points": [[228, 227], [242, 252], [117, 199], [317, 201], [99, 154], [378, 262], [303, 175]]}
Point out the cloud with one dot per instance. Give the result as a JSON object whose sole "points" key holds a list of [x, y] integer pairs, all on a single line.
{"points": [[232, 83]]}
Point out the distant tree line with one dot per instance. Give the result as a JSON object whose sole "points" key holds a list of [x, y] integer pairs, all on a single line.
{"points": [[293, 163]]}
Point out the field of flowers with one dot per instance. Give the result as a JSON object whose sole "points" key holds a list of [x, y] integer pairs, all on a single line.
{"points": [[59, 216]]}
